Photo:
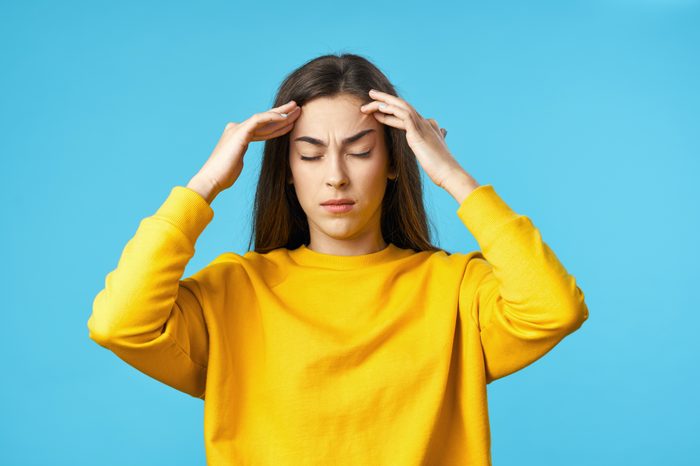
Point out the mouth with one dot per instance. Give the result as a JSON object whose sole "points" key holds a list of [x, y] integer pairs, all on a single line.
{"points": [[338, 208]]}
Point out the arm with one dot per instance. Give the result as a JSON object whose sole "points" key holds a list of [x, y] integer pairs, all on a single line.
{"points": [[146, 314], [516, 291], [518, 294]]}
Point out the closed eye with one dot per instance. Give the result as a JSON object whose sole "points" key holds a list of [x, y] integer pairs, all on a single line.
{"points": [[362, 155]]}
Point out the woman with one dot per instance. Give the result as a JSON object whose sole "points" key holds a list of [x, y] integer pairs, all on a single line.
{"points": [[345, 337]]}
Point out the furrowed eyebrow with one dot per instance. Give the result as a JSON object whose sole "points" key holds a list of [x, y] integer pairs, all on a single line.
{"points": [[346, 141]]}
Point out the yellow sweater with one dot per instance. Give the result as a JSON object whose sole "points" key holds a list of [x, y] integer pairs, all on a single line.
{"points": [[305, 358]]}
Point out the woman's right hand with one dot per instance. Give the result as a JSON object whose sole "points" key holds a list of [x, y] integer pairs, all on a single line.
{"points": [[225, 163]]}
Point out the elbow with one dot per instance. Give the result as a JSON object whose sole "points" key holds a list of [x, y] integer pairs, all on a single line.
{"points": [[577, 316], [576, 312], [98, 323], [103, 324], [98, 332]]}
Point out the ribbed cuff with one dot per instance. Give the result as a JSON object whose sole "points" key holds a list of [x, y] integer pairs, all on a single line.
{"points": [[483, 211], [187, 210]]}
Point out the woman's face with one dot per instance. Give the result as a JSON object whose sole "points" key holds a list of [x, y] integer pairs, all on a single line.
{"points": [[336, 152]]}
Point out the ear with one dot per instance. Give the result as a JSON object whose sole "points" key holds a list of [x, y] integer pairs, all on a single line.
{"points": [[392, 175]]}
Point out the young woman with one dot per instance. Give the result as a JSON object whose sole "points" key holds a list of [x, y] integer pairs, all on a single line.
{"points": [[345, 336]]}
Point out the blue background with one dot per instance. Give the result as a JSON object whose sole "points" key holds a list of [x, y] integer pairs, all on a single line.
{"points": [[583, 115]]}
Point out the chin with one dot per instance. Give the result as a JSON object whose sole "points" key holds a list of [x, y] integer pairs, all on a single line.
{"points": [[338, 228], [340, 233]]}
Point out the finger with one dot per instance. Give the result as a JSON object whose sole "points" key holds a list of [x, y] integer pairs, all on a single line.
{"points": [[390, 99], [275, 125], [273, 134], [288, 111], [386, 108], [435, 125], [270, 119], [276, 115], [406, 117], [285, 107], [268, 132], [390, 120], [268, 128]]}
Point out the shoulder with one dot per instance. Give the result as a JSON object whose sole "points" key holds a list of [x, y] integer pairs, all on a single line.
{"points": [[250, 267], [444, 265], [247, 260], [459, 260]]}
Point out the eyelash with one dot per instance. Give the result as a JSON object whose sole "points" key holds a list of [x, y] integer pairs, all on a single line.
{"points": [[363, 155]]}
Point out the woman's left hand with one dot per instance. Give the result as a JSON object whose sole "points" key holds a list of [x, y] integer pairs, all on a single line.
{"points": [[424, 137]]}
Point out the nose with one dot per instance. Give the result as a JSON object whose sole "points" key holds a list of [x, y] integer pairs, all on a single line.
{"points": [[336, 176], [336, 182]]}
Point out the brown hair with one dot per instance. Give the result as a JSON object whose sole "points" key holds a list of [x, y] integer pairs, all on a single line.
{"points": [[278, 218]]}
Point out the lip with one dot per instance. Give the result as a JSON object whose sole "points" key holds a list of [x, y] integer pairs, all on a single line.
{"points": [[338, 208], [338, 201]]}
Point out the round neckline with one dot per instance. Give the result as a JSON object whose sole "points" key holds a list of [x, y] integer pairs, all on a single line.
{"points": [[308, 257]]}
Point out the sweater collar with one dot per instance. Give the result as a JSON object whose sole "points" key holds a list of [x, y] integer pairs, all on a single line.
{"points": [[308, 257]]}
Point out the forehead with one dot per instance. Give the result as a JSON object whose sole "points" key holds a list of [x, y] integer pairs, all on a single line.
{"points": [[337, 117]]}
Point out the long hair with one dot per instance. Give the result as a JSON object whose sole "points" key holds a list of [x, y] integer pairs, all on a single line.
{"points": [[278, 218]]}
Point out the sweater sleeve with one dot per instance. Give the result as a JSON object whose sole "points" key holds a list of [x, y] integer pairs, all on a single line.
{"points": [[519, 295], [146, 314]]}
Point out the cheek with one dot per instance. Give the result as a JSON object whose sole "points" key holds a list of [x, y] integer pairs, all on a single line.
{"points": [[305, 186], [297, 170], [374, 176]]}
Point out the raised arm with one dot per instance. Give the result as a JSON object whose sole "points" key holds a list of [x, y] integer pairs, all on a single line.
{"points": [[146, 314], [516, 290]]}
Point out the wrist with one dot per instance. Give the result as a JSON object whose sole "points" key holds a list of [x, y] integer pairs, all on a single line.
{"points": [[204, 186], [460, 184]]}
